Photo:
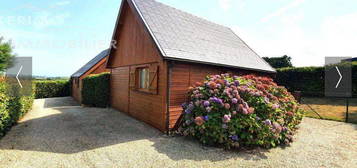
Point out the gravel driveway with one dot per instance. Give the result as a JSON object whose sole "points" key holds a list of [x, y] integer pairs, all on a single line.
{"points": [[59, 133]]}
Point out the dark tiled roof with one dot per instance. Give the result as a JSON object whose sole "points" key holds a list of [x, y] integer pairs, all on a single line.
{"points": [[182, 36], [91, 63]]}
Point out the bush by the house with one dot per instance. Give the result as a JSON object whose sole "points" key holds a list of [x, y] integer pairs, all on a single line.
{"points": [[52, 88], [279, 62], [309, 80], [12, 108], [240, 111], [95, 90]]}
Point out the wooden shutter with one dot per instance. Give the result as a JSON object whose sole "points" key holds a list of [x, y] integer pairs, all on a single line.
{"points": [[153, 78], [132, 80]]}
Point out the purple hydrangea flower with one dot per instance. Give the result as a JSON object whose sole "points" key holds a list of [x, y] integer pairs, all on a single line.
{"points": [[226, 83], [190, 107], [213, 99], [206, 103], [235, 138], [284, 129], [236, 82], [267, 122], [206, 118], [220, 101], [188, 111], [234, 101], [219, 85]]}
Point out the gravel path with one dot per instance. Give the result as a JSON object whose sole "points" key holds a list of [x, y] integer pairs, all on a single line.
{"points": [[58, 133]]}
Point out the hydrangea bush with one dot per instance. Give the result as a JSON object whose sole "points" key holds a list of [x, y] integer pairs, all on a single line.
{"points": [[234, 111]]}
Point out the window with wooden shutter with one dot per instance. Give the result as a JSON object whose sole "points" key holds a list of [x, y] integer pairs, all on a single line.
{"points": [[153, 78], [144, 78]]}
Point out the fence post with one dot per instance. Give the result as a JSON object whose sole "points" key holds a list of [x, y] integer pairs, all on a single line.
{"points": [[347, 104]]}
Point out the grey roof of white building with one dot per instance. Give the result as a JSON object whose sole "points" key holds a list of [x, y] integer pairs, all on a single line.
{"points": [[91, 63], [183, 36]]}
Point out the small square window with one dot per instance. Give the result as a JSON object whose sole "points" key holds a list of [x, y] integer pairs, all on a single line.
{"points": [[143, 82]]}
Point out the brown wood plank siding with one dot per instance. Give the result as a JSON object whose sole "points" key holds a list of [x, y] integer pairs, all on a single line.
{"points": [[136, 48], [135, 45], [182, 77], [185, 75], [76, 91], [100, 67], [119, 89]]}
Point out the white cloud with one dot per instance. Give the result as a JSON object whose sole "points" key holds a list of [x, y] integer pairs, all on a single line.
{"points": [[46, 19], [335, 36], [225, 4], [282, 10], [340, 35], [62, 3]]}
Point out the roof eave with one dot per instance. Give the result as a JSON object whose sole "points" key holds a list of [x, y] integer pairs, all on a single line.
{"points": [[221, 65]]}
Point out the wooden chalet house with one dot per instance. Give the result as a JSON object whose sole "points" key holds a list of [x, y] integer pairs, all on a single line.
{"points": [[95, 66], [161, 51]]}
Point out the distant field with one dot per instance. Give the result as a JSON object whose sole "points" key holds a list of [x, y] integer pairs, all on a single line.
{"points": [[330, 108]]}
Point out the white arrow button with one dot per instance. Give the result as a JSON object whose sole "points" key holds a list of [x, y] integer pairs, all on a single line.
{"points": [[17, 76], [339, 73]]}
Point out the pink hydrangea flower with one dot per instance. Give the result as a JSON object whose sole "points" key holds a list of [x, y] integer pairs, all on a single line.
{"points": [[199, 120], [226, 118], [234, 101], [227, 106]]}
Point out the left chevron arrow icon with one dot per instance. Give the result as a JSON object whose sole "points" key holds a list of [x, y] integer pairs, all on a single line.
{"points": [[17, 76]]}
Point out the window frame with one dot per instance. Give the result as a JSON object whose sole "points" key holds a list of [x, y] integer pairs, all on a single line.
{"points": [[138, 78]]}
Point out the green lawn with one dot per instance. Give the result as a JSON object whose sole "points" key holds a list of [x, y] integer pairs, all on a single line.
{"points": [[330, 108]]}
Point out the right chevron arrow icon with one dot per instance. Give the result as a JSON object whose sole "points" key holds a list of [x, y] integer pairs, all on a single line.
{"points": [[339, 81]]}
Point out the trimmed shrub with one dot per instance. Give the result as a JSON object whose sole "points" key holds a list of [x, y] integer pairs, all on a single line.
{"points": [[52, 88], [240, 111], [12, 108], [309, 80], [95, 90]]}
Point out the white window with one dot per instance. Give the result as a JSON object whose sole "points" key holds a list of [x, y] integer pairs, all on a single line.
{"points": [[143, 78]]}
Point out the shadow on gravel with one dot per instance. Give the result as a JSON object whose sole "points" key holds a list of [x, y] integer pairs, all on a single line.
{"points": [[60, 102], [182, 148], [71, 129]]}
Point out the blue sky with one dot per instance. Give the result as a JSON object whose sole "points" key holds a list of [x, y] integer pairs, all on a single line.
{"points": [[62, 35]]}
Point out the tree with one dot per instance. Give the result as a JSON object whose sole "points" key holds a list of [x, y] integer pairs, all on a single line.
{"points": [[279, 62], [6, 55]]}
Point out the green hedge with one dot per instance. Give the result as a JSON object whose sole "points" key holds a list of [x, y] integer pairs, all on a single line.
{"points": [[52, 88], [12, 108], [309, 80], [95, 90]]}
